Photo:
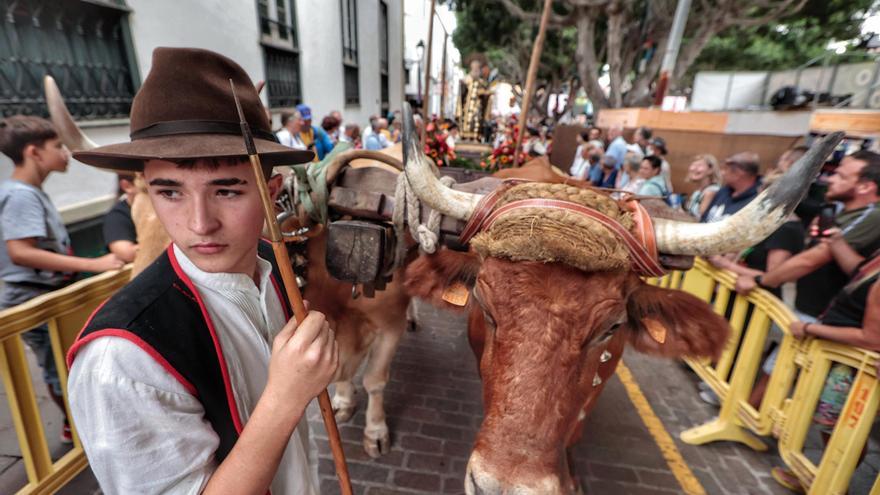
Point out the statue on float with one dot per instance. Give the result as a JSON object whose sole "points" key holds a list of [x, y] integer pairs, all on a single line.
{"points": [[474, 105]]}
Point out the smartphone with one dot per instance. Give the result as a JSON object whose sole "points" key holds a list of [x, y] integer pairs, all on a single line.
{"points": [[827, 215]]}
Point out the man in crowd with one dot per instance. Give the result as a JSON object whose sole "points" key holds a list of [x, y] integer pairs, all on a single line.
{"points": [[617, 145], [642, 137], [313, 136], [740, 184], [351, 135], [377, 140], [856, 185]]}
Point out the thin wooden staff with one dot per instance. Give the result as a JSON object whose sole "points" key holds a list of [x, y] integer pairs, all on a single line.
{"points": [[282, 259], [426, 102], [530, 78]]}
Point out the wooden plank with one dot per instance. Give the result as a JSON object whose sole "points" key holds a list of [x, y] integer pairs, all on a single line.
{"points": [[715, 122], [854, 122], [360, 204]]}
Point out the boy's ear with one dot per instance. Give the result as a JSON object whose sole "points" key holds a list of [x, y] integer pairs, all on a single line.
{"points": [[275, 182], [30, 151]]}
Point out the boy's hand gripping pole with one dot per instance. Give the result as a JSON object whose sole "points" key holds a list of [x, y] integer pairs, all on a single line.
{"points": [[282, 259]]}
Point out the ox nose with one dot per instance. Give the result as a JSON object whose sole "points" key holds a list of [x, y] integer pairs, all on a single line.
{"points": [[479, 481]]}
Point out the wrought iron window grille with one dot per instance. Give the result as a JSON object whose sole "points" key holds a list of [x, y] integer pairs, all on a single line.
{"points": [[84, 45]]}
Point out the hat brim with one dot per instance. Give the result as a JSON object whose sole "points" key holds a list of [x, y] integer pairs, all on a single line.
{"points": [[131, 156]]}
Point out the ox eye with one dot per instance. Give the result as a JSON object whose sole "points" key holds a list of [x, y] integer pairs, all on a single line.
{"points": [[609, 332]]}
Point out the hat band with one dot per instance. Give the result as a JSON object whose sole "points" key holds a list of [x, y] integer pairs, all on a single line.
{"points": [[179, 127]]}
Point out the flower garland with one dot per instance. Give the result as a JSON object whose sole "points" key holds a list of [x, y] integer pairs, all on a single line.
{"points": [[502, 156], [436, 147]]}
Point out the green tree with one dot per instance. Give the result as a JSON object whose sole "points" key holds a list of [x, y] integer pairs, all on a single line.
{"points": [[790, 41]]}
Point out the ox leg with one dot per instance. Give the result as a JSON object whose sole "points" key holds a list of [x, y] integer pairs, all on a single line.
{"points": [[343, 400], [377, 440]]}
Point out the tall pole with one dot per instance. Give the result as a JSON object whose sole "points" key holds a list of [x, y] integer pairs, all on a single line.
{"points": [[279, 249], [443, 78], [672, 46], [530, 78], [427, 99]]}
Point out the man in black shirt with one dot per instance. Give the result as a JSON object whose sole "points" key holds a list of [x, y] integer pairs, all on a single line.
{"points": [[119, 232]]}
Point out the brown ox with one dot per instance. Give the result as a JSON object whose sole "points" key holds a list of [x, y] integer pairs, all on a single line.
{"points": [[549, 333]]}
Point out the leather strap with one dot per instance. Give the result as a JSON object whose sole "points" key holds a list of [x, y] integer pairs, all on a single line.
{"points": [[179, 127], [484, 208], [643, 250]]}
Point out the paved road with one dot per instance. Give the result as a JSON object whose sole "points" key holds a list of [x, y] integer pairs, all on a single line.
{"points": [[434, 410]]}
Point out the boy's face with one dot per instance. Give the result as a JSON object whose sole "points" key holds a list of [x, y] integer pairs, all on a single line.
{"points": [[52, 156], [214, 215]]}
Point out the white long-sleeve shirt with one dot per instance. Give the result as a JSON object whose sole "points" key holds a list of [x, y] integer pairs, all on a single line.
{"points": [[144, 433]]}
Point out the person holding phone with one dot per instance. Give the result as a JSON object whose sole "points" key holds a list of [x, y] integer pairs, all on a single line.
{"points": [[855, 185]]}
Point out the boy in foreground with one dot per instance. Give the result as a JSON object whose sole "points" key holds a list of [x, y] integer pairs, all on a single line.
{"points": [[193, 378]]}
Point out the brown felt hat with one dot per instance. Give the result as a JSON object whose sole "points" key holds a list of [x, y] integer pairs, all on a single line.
{"points": [[185, 110]]}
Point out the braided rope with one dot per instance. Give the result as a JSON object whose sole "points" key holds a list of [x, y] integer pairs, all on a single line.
{"points": [[407, 213]]}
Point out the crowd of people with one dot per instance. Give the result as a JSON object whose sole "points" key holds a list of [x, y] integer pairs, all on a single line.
{"points": [[298, 132]]}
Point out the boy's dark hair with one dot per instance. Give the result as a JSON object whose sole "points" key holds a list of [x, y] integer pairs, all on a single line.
{"points": [[125, 176], [871, 171], [647, 132], [19, 131], [654, 160]]}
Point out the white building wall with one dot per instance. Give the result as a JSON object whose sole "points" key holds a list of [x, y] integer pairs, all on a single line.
{"points": [[416, 16], [321, 58], [231, 27]]}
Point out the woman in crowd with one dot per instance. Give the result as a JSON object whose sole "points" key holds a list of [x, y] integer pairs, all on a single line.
{"points": [[705, 174], [628, 178], [651, 171]]}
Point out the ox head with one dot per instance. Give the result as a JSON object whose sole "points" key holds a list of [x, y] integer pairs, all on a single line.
{"points": [[553, 330]]}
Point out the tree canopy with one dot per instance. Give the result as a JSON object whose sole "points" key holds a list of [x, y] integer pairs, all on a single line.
{"points": [[624, 39]]}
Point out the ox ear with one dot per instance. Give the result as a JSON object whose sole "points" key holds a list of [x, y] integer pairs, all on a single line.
{"points": [[444, 279], [673, 323]]}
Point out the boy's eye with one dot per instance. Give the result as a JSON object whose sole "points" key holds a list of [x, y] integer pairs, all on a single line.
{"points": [[168, 193], [228, 193]]}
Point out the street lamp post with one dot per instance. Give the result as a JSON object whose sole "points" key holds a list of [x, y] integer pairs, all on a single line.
{"points": [[420, 52]]}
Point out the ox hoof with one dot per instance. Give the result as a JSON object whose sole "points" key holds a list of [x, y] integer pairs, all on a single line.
{"points": [[343, 414], [377, 447]]}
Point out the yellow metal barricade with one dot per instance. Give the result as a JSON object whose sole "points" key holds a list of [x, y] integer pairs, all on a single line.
{"points": [[733, 375], [850, 434], [801, 365], [65, 311]]}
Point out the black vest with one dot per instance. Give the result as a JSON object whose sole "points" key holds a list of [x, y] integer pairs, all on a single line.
{"points": [[161, 312]]}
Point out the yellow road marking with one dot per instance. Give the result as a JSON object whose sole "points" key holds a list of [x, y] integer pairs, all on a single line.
{"points": [[689, 483]]}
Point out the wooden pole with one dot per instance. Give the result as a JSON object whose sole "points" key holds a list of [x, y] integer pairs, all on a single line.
{"points": [[530, 78], [282, 258], [443, 88], [426, 101]]}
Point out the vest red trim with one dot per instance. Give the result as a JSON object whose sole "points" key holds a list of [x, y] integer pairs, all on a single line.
{"points": [[125, 334], [224, 371]]}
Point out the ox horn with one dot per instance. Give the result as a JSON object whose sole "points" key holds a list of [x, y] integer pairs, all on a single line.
{"points": [[755, 222], [70, 134], [423, 179]]}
